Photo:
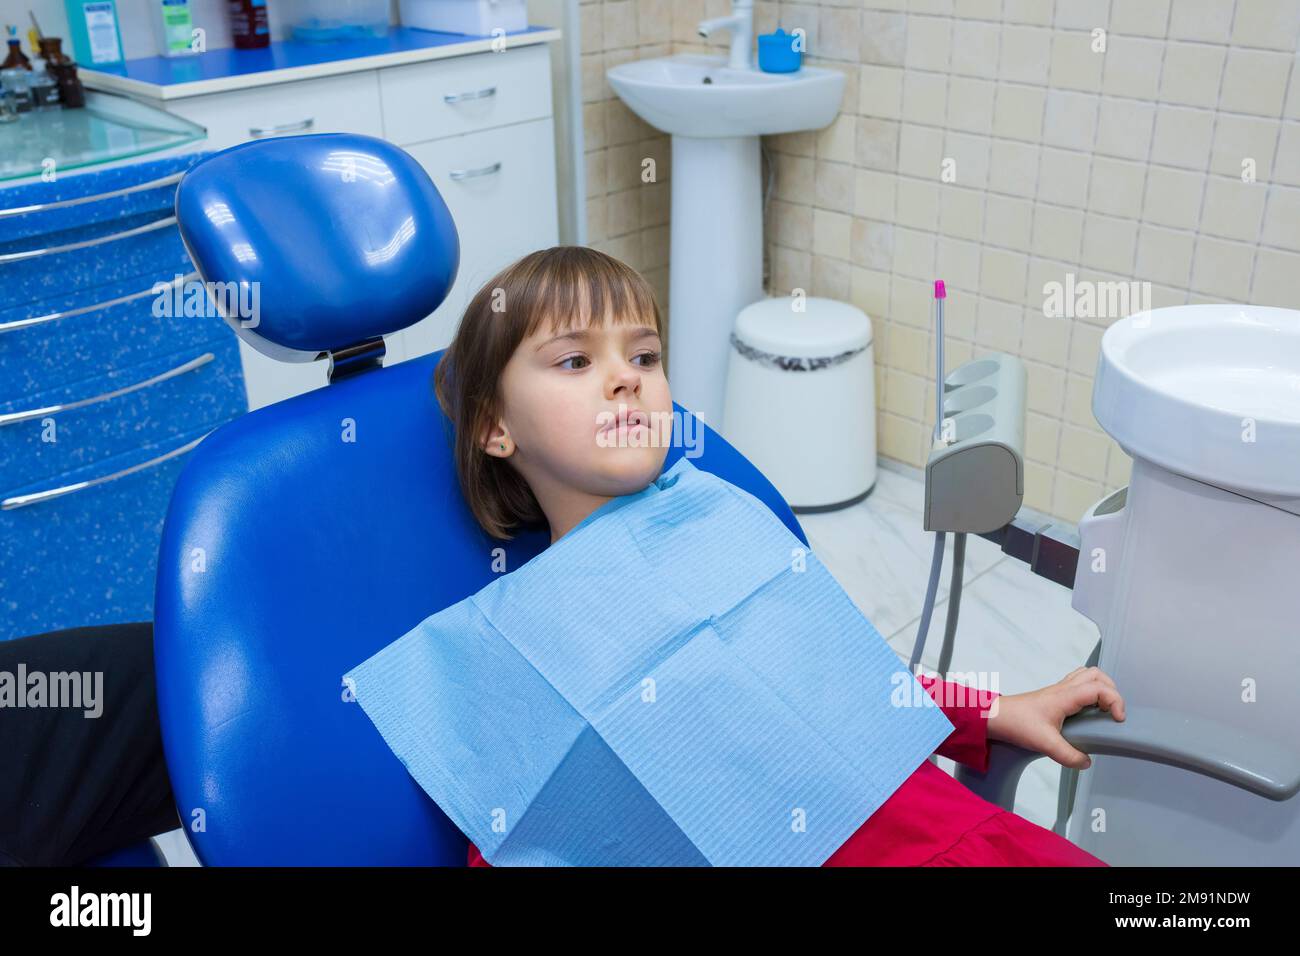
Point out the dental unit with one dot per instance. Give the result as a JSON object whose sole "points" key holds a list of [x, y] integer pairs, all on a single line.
{"points": [[1202, 399]]}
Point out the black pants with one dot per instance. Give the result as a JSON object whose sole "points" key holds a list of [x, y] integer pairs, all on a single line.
{"points": [[73, 787]]}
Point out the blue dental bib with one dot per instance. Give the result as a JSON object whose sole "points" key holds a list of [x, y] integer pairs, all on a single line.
{"points": [[677, 681]]}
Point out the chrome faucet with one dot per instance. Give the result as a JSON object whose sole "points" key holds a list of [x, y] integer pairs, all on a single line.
{"points": [[741, 25]]}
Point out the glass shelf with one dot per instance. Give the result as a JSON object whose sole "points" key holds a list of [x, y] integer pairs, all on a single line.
{"points": [[110, 127]]}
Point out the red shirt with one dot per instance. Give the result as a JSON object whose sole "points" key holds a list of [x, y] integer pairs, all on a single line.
{"points": [[932, 820]]}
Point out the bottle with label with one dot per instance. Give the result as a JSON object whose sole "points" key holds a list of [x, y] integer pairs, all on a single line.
{"points": [[173, 27], [71, 93], [64, 71], [52, 50], [96, 37], [16, 57], [16, 85], [45, 90], [249, 26]]}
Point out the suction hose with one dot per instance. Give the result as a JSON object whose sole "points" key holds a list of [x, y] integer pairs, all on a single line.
{"points": [[936, 562]]}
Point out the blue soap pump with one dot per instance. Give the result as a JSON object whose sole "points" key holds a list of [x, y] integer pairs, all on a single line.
{"points": [[777, 53]]}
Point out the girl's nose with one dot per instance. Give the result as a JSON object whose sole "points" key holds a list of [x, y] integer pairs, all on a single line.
{"points": [[625, 377]]}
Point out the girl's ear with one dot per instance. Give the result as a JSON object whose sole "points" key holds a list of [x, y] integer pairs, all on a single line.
{"points": [[495, 441]]}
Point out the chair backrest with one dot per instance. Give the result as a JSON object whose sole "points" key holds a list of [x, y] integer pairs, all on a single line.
{"points": [[304, 536]]}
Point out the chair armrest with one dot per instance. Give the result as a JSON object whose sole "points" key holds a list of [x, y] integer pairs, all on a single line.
{"points": [[1148, 733]]}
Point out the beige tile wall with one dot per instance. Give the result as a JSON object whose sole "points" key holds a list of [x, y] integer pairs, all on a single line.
{"points": [[1126, 164], [626, 217]]}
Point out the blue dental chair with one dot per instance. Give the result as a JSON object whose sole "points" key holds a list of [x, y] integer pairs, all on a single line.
{"points": [[305, 536]]}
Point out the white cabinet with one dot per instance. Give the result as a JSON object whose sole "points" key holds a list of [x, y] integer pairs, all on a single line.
{"points": [[461, 95], [500, 187], [332, 104], [480, 123], [482, 127]]}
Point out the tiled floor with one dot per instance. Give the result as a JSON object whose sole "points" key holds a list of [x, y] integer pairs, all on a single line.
{"points": [[1016, 628]]}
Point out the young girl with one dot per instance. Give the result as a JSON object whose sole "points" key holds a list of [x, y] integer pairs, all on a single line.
{"points": [[556, 390]]}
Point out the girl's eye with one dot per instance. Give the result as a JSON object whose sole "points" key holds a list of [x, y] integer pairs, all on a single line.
{"points": [[651, 357]]}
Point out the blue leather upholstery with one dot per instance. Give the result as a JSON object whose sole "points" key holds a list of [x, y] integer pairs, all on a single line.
{"points": [[374, 245], [290, 554]]}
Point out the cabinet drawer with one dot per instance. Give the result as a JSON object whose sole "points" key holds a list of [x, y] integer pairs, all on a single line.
{"points": [[90, 556], [83, 334], [424, 101], [88, 198], [500, 187], [332, 104], [39, 273], [157, 399]]}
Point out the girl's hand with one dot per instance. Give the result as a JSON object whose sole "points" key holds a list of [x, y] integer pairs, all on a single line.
{"points": [[1033, 720]]}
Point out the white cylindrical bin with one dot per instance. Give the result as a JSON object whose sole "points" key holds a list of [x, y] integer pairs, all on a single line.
{"points": [[801, 399]]}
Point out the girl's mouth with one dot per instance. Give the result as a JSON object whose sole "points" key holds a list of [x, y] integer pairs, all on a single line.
{"points": [[627, 420]]}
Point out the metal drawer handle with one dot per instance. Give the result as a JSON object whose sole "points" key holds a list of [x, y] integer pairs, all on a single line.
{"points": [[471, 173], [259, 131], [82, 310], [64, 203], [14, 417], [99, 241], [475, 95], [21, 501]]}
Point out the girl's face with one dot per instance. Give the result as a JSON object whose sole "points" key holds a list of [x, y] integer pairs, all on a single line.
{"points": [[564, 397]]}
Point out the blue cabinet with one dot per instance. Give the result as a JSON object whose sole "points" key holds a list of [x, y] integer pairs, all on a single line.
{"points": [[104, 387]]}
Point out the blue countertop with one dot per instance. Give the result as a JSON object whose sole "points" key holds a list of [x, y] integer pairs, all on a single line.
{"points": [[229, 68]]}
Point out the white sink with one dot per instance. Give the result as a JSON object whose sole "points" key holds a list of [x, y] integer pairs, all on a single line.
{"points": [[692, 94], [1211, 392], [716, 114]]}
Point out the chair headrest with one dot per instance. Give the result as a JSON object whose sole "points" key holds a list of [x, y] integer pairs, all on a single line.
{"points": [[318, 242]]}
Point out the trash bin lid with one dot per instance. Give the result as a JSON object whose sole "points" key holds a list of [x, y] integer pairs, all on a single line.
{"points": [[824, 327]]}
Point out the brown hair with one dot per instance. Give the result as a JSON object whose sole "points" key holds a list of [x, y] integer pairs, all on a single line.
{"points": [[566, 286]]}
